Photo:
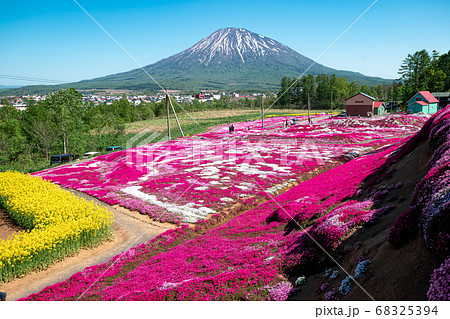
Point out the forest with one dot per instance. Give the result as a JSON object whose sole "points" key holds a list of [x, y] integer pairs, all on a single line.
{"points": [[420, 71]]}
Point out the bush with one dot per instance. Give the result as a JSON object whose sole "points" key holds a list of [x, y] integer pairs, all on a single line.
{"points": [[403, 229]]}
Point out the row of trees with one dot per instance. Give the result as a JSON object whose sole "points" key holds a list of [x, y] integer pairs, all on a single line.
{"points": [[423, 71], [420, 71], [62, 123], [322, 89]]}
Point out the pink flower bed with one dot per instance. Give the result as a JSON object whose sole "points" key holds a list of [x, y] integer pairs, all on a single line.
{"points": [[185, 180], [246, 258]]}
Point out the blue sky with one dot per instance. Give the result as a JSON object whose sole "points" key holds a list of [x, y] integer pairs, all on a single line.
{"points": [[57, 40]]}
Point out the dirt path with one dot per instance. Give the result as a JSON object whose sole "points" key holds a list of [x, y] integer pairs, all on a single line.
{"points": [[7, 226], [130, 229]]}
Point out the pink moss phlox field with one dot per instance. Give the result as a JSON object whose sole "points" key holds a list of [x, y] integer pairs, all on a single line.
{"points": [[440, 283], [191, 178], [246, 258]]}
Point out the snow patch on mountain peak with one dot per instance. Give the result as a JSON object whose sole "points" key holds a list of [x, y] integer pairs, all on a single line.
{"points": [[233, 42]]}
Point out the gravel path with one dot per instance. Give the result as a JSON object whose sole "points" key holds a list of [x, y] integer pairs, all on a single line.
{"points": [[130, 229]]}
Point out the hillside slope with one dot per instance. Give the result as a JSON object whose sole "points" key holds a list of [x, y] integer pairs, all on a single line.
{"points": [[411, 238]]}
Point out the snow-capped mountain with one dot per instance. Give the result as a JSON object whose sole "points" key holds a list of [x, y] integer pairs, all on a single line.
{"points": [[228, 59], [231, 43], [236, 58], [234, 49]]}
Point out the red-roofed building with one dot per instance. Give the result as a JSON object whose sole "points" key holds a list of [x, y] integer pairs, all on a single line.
{"points": [[200, 96], [379, 108], [423, 101]]}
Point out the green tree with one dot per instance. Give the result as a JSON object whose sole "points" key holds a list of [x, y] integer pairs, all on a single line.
{"points": [[437, 81], [324, 89], [12, 139], [414, 71], [355, 88], [284, 95], [67, 113], [308, 85], [443, 64], [40, 127], [341, 90], [424, 72]]}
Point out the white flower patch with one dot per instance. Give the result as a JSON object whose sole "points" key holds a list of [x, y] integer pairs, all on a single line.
{"points": [[219, 162], [304, 199], [276, 188], [168, 285], [248, 169], [212, 177], [188, 212], [209, 171], [227, 199], [153, 172], [332, 221], [275, 167]]}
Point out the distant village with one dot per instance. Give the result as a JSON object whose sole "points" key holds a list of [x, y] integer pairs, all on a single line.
{"points": [[360, 104], [109, 96]]}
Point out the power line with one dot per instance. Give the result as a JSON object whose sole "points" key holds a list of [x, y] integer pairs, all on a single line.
{"points": [[129, 55], [27, 78]]}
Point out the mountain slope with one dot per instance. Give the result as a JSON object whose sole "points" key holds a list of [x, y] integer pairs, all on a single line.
{"points": [[228, 59], [232, 59]]}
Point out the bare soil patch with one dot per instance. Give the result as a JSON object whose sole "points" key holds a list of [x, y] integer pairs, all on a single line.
{"points": [[7, 226]]}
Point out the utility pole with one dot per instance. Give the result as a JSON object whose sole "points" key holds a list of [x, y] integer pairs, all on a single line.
{"points": [[168, 119], [309, 106], [262, 112], [176, 118], [331, 102], [391, 102]]}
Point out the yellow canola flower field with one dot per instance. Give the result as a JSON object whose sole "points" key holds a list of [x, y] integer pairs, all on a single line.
{"points": [[57, 223]]}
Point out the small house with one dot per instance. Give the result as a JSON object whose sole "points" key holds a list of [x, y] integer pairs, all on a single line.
{"points": [[423, 101], [200, 96], [360, 104], [379, 108]]}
